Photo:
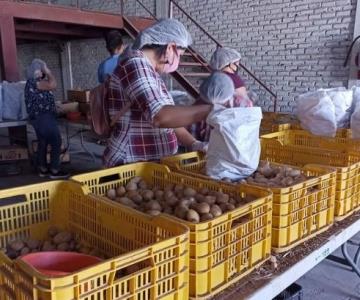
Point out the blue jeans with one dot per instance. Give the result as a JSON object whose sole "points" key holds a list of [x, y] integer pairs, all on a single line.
{"points": [[47, 133]]}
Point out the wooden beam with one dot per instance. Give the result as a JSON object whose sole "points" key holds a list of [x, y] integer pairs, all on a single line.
{"points": [[8, 48], [58, 29], [68, 15]]}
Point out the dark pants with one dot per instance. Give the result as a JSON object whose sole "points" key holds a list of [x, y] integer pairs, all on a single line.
{"points": [[47, 133]]}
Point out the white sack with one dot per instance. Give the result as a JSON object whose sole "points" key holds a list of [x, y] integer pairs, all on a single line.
{"points": [[355, 118], [316, 113], [13, 106], [234, 145]]}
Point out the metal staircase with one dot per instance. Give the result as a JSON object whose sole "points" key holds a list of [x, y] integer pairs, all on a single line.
{"points": [[193, 66]]}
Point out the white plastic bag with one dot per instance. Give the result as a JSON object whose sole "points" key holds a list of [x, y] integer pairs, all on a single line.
{"points": [[13, 104], [342, 100], [355, 117], [316, 112], [234, 145]]}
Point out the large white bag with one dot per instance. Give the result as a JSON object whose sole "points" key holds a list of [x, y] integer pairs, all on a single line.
{"points": [[234, 145], [316, 112], [342, 100], [13, 104], [355, 117]]}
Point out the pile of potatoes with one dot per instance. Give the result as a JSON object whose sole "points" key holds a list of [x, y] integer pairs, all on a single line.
{"points": [[276, 176], [57, 241], [178, 200]]}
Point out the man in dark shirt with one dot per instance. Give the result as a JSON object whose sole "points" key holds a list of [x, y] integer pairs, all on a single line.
{"points": [[40, 105]]}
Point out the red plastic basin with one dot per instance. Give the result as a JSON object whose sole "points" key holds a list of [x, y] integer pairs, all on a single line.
{"points": [[59, 263]]}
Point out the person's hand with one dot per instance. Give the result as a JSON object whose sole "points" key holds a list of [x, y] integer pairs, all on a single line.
{"points": [[46, 70], [199, 146]]}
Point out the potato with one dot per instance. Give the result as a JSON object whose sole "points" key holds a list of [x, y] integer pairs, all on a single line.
{"points": [[210, 199], [199, 197], [137, 198], [189, 192], [168, 210], [33, 244], [126, 201], [153, 205], [204, 191], [12, 254], [201, 208], [178, 188], [223, 207], [120, 191], [153, 212], [215, 210], [63, 247], [62, 237], [72, 245], [111, 194], [48, 246], [172, 201], [85, 250], [25, 250], [168, 194], [206, 217], [148, 195], [52, 231], [192, 216], [181, 211], [168, 187], [159, 195], [95, 252], [222, 198], [17, 245], [135, 179], [232, 201], [131, 186], [230, 207], [142, 185]]}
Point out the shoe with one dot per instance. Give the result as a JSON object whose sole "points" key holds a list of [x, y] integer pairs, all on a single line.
{"points": [[43, 174], [59, 175]]}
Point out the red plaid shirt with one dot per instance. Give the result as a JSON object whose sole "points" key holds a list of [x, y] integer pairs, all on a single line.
{"points": [[133, 137]]}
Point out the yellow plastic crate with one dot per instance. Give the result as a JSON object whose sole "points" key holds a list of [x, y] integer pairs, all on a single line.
{"points": [[159, 246], [290, 205], [222, 250], [298, 147]]}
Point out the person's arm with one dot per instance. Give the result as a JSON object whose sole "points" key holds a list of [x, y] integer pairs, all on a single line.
{"points": [[241, 91], [170, 116], [49, 84], [184, 137]]}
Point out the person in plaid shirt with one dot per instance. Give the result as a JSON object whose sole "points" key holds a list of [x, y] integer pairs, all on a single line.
{"points": [[152, 127]]}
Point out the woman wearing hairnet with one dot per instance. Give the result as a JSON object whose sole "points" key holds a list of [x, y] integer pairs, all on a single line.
{"points": [[152, 126], [40, 106], [227, 60]]}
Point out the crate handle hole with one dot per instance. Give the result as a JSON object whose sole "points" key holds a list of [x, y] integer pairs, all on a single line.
{"points": [[109, 178], [241, 220], [13, 200], [134, 268]]}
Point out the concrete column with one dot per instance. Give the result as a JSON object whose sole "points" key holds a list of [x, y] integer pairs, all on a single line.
{"points": [[356, 49], [66, 68], [162, 8]]}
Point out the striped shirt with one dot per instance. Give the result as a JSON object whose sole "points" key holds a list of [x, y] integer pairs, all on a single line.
{"points": [[133, 138]]}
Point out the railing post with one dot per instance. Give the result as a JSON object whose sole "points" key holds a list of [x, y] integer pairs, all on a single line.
{"points": [[171, 8], [122, 7]]}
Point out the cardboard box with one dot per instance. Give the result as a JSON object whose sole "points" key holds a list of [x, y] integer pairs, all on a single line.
{"points": [[64, 157], [13, 153], [82, 96]]}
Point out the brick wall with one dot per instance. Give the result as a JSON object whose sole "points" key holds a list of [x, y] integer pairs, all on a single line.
{"points": [[292, 45]]}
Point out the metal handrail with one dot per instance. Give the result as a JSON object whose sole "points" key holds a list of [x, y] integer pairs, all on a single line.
{"points": [[218, 44]]}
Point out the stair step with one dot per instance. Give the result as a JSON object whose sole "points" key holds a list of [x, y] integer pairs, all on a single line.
{"points": [[191, 64], [202, 74]]}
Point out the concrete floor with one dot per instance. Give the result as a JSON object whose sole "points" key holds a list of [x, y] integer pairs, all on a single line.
{"points": [[327, 281]]}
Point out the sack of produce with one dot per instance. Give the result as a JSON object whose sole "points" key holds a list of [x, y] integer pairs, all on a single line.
{"points": [[234, 145], [355, 118]]}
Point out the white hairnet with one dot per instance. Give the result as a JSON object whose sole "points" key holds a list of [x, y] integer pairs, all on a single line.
{"points": [[36, 65], [164, 32], [218, 88], [223, 57]]}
